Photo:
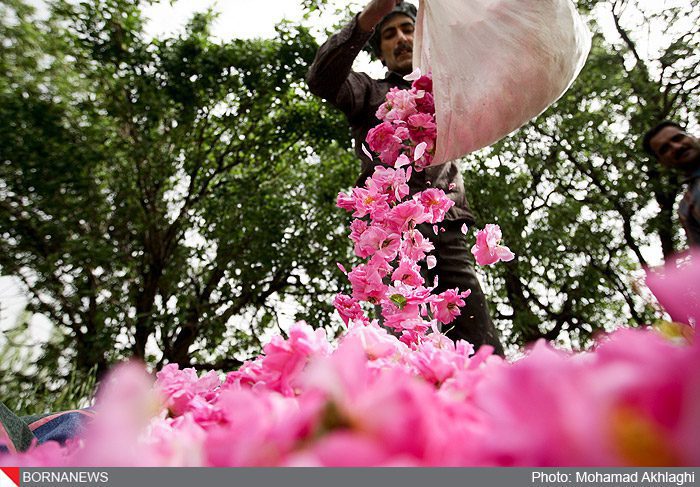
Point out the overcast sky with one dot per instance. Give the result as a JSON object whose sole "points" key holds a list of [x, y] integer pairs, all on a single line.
{"points": [[245, 19], [238, 18]]}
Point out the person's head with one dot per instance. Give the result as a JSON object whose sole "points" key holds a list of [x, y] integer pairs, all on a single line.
{"points": [[392, 41], [672, 146]]}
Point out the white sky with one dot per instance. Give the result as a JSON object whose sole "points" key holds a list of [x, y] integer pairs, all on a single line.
{"points": [[244, 19]]}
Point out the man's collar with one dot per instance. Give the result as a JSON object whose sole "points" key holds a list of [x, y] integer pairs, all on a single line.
{"points": [[397, 78]]}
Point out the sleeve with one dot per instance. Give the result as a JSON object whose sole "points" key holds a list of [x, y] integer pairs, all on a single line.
{"points": [[331, 76]]}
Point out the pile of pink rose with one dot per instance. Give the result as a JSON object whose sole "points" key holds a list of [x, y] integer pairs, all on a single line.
{"points": [[401, 393]]}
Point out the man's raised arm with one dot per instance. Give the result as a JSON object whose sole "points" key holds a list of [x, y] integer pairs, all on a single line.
{"points": [[331, 76]]}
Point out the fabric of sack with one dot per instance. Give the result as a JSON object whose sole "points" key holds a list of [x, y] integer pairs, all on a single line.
{"points": [[496, 64]]}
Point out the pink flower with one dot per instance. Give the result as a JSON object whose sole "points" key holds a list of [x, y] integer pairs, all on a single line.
{"points": [[446, 306], [438, 361], [367, 284], [391, 408], [345, 201], [422, 128], [408, 272], [403, 307], [184, 390], [261, 429], [487, 249], [390, 181], [376, 341], [404, 317], [436, 203], [387, 139], [414, 246], [399, 105], [348, 308], [284, 360], [389, 247], [624, 404], [126, 404], [178, 441], [424, 83], [370, 241], [248, 375], [376, 240], [367, 202], [677, 287], [426, 103], [357, 228], [405, 216]]}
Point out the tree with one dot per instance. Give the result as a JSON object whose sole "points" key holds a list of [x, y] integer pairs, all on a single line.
{"points": [[579, 202], [159, 198]]}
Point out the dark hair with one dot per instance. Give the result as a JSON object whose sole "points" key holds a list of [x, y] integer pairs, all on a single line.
{"points": [[375, 42], [651, 133]]}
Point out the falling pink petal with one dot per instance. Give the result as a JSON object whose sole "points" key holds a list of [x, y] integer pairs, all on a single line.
{"points": [[464, 228], [414, 75], [402, 161], [504, 253], [435, 229], [451, 186], [431, 261], [342, 269], [465, 294], [420, 150], [367, 152], [488, 249]]}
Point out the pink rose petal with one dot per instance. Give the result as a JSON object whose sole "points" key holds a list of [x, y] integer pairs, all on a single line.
{"points": [[402, 161], [414, 75], [420, 150]]}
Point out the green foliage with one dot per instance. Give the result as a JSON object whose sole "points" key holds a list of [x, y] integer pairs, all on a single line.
{"points": [[159, 198], [27, 389]]}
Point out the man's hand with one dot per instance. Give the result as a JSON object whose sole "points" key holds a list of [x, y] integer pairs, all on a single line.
{"points": [[374, 12]]}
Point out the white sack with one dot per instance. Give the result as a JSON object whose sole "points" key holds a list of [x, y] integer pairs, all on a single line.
{"points": [[496, 64]]}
